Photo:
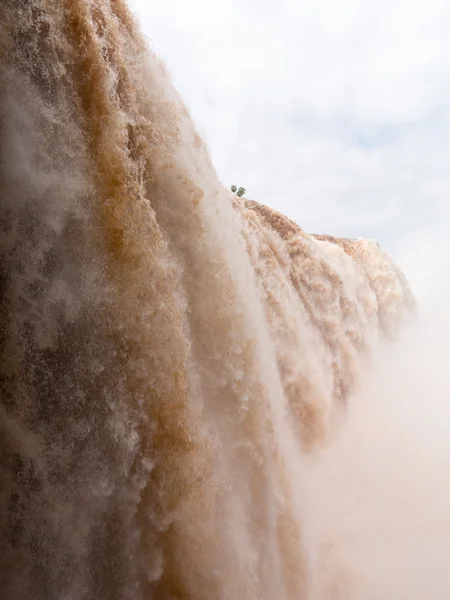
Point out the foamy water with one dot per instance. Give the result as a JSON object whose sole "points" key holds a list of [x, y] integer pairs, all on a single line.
{"points": [[175, 361]]}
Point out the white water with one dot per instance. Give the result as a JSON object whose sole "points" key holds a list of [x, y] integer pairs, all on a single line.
{"points": [[187, 405]]}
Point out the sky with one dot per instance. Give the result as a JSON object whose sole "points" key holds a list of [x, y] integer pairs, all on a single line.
{"points": [[335, 112]]}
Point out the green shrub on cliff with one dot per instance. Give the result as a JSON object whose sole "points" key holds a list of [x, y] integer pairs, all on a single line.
{"points": [[239, 192]]}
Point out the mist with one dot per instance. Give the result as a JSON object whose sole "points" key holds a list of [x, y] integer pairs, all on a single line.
{"points": [[379, 494]]}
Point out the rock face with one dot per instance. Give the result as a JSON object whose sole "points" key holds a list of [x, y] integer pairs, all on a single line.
{"points": [[168, 353]]}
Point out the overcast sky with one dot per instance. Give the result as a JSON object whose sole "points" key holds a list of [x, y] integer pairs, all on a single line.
{"points": [[335, 112]]}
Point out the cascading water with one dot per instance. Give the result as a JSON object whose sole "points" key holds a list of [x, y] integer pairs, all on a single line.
{"points": [[170, 354]]}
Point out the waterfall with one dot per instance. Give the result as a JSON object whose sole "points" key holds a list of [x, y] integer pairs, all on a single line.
{"points": [[171, 355]]}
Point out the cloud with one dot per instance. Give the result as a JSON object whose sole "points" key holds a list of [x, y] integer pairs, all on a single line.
{"points": [[335, 113]]}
